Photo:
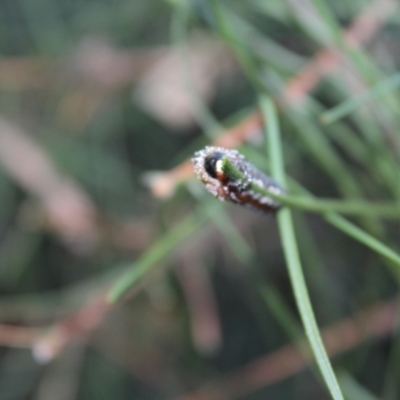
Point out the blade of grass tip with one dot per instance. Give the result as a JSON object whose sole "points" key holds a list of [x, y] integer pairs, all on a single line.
{"points": [[159, 251], [291, 252], [352, 104]]}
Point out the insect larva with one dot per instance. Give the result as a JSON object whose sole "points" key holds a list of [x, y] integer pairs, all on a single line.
{"points": [[209, 167]]}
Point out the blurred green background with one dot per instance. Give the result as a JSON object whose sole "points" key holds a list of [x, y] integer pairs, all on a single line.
{"points": [[96, 98]]}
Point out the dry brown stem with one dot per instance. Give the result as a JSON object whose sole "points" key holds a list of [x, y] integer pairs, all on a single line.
{"points": [[68, 209], [70, 328]]}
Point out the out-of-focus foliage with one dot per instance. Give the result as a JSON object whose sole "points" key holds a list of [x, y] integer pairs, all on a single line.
{"points": [[96, 96]]}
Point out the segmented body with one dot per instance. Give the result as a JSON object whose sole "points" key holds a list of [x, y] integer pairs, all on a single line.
{"points": [[209, 167]]}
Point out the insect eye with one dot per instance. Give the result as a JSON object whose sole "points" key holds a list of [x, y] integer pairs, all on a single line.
{"points": [[210, 163]]}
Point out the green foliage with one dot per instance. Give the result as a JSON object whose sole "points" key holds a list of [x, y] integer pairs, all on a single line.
{"points": [[197, 289]]}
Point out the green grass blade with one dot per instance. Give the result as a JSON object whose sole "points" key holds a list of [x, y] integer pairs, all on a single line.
{"points": [[159, 251], [363, 237], [355, 232], [324, 205], [352, 104], [291, 252], [353, 390]]}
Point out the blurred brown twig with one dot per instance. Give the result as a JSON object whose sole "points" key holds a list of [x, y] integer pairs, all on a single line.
{"points": [[68, 209]]}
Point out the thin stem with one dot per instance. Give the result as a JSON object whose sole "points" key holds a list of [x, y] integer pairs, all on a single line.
{"points": [[307, 203], [292, 256], [159, 251]]}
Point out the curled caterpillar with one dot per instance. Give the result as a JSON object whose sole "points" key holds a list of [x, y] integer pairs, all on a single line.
{"points": [[211, 166]]}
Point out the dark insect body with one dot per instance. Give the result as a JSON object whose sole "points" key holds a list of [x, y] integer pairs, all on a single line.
{"points": [[209, 165]]}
